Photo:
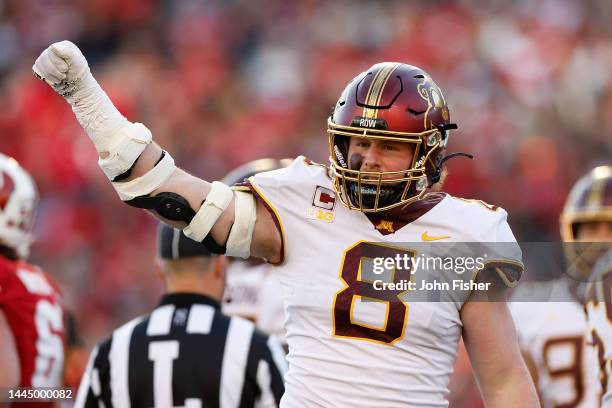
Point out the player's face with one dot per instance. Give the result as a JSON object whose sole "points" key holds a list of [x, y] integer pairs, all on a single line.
{"points": [[379, 155], [596, 231]]}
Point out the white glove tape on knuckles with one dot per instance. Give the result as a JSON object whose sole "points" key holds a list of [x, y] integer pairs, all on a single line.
{"points": [[124, 148], [148, 182], [217, 200], [241, 234]]}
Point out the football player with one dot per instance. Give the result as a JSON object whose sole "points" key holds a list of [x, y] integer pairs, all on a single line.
{"points": [[587, 223], [599, 315], [348, 345], [252, 286], [553, 335], [31, 316]]}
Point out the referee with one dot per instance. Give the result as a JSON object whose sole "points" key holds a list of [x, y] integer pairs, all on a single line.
{"points": [[186, 353]]}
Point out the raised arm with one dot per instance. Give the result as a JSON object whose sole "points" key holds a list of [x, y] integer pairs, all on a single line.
{"points": [[145, 176]]}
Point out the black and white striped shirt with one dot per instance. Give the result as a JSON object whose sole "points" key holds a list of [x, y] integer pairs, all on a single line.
{"points": [[186, 353]]}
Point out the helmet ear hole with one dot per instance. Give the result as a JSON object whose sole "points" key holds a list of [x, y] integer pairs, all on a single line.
{"points": [[574, 229]]}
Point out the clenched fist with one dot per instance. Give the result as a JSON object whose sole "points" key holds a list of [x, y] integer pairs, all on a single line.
{"points": [[62, 65], [118, 141]]}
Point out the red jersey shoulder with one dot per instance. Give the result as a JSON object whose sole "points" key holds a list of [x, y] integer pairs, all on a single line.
{"points": [[22, 277], [31, 302]]}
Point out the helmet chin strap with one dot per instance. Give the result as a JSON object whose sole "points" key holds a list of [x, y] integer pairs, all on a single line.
{"points": [[438, 171], [390, 193], [456, 154]]}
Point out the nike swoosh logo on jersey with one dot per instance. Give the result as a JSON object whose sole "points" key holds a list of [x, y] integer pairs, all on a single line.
{"points": [[426, 237]]}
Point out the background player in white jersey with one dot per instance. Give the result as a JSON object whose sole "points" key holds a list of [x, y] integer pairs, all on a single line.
{"points": [[388, 135], [554, 342], [587, 222], [599, 314], [553, 335], [31, 314]]}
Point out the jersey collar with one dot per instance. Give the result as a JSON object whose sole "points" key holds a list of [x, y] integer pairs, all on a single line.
{"points": [[390, 222], [184, 299]]}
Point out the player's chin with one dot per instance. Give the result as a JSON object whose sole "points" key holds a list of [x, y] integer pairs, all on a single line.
{"points": [[371, 193]]}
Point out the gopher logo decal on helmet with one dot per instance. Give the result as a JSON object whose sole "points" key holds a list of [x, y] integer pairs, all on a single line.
{"points": [[430, 91]]}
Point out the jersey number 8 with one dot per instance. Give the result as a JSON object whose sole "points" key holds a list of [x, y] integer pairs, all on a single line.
{"points": [[357, 288]]}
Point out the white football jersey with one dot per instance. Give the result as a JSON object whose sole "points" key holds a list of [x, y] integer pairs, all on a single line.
{"points": [[599, 314], [271, 313], [242, 289], [251, 292], [553, 336], [345, 351]]}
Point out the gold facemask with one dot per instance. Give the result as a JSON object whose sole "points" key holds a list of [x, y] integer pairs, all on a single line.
{"points": [[371, 192]]}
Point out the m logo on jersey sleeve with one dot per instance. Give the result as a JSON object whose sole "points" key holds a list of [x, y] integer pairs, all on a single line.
{"points": [[324, 198]]}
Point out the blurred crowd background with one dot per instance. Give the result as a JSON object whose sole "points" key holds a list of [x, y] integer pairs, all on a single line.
{"points": [[222, 82]]}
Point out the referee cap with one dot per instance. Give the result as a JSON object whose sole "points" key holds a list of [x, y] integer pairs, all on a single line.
{"points": [[173, 244]]}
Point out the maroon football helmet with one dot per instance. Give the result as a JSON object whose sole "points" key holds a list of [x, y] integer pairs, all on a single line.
{"points": [[389, 101], [589, 201]]}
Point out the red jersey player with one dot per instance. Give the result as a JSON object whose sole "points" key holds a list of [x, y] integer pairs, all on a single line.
{"points": [[31, 317]]}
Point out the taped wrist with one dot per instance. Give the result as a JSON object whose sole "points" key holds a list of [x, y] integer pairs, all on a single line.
{"points": [[241, 234], [148, 182], [217, 200]]}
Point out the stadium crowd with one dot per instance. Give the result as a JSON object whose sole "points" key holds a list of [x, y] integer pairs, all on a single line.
{"points": [[224, 82]]}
